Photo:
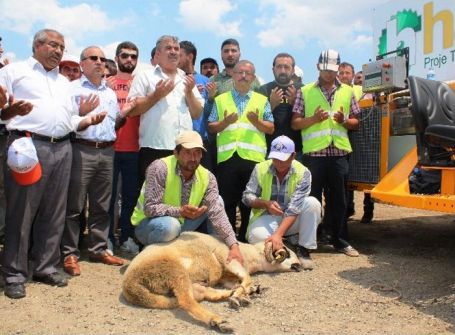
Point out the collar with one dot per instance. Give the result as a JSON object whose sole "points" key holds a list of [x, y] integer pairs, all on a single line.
{"points": [[236, 95], [178, 172], [35, 64], [87, 83], [337, 83], [159, 71]]}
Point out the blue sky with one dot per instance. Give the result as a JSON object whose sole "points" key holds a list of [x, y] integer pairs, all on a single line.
{"points": [[264, 28]]}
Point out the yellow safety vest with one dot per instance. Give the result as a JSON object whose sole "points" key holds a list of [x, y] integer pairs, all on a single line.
{"points": [[320, 135], [241, 136], [173, 190], [265, 178], [357, 92]]}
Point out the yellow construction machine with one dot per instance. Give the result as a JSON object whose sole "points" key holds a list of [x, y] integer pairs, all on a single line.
{"points": [[407, 129]]}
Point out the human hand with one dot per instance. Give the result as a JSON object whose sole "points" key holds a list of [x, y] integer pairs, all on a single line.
{"points": [[235, 254], [231, 118], [164, 87], [339, 115], [88, 104], [274, 208], [211, 90], [253, 117], [189, 83], [128, 106], [97, 118], [3, 97], [192, 212], [276, 96], [320, 115], [290, 94], [277, 242]]}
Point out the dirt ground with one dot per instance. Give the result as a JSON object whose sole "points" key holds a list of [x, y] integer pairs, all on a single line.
{"points": [[403, 283]]}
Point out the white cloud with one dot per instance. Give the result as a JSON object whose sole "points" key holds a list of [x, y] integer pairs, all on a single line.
{"points": [[22, 16], [330, 23], [210, 16]]}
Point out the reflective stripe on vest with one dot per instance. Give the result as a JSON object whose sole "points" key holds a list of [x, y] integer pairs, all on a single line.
{"points": [[321, 134], [241, 136], [173, 190], [265, 179]]}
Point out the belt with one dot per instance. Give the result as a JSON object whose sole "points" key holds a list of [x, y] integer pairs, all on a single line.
{"points": [[98, 145], [40, 137]]}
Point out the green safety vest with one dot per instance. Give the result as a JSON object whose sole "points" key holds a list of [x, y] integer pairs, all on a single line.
{"points": [[357, 91], [320, 135], [241, 136], [173, 190], [265, 178]]}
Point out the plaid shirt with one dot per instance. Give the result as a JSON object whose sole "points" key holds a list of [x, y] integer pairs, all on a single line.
{"points": [[291, 204], [299, 109]]}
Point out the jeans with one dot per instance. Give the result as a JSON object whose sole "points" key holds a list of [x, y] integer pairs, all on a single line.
{"points": [[166, 228], [305, 225], [126, 165]]}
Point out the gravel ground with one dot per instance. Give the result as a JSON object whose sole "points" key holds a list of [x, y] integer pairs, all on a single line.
{"points": [[402, 283]]}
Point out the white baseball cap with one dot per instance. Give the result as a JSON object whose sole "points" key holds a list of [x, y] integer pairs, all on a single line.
{"points": [[282, 148], [23, 161]]}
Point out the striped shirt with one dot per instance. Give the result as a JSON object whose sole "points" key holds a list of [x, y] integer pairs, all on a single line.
{"points": [[154, 206], [299, 109], [291, 205]]}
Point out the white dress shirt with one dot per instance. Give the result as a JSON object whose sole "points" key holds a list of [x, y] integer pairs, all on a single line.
{"points": [[104, 131], [49, 93], [161, 124]]}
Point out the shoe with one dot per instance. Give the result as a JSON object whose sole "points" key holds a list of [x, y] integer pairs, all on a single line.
{"points": [[130, 246], [52, 279], [15, 290], [366, 218], [71, 266], [106, 257], [349, 251], [304, 257], [110, 245], [350, 212]]}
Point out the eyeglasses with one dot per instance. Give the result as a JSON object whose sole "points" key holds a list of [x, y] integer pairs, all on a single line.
{"points": [[95, 58], [125, 55], [55, 45], [244, 73]]}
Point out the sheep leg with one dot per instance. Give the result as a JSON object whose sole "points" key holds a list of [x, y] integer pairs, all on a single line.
{"points": [[202, 292]]}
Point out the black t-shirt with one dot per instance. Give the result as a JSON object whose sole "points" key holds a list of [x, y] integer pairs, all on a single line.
{"points": [[282, 115]]}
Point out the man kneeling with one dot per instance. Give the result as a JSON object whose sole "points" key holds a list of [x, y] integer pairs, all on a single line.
{"points": [[278, 191], [179, 195]]}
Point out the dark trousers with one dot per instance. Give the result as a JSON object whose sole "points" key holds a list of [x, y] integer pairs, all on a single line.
{"points": [[330, 173], [232, 177], [91, 173], [126, 166], [146, 157], [36, 211], [368, 204]]}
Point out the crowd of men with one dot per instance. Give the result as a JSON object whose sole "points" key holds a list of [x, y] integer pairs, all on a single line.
{"points": [[181, 150]]}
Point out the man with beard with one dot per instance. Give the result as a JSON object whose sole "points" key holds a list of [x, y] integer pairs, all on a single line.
{"points": [[163, 212], [44, 112], [209, 67], [324, 111], [126, 148], [281, 95], [167, 101], [92, 167]]}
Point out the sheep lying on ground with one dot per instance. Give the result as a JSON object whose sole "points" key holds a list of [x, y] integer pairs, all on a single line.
{"points": [[182, 272]]}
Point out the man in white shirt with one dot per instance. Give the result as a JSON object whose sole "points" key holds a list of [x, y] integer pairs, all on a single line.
{"points": [[167, 101], [39, 209], [93, 161]]}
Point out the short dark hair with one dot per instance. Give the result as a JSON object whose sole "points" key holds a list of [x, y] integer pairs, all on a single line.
{"points": [[284, 55], [346, 64], [152, 54], [111, 66], [208, 60], [189, 49], [230, 41], [126, 45]]}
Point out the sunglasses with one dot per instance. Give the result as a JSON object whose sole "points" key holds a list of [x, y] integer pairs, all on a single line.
{"points": [[125, 55], [95, 58]]}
